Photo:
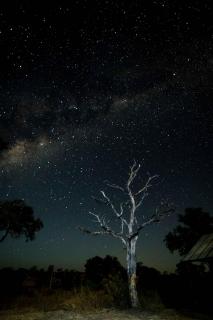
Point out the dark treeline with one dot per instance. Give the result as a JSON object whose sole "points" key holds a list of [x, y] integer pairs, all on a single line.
{"points": [[186, 289], [18, 281]]}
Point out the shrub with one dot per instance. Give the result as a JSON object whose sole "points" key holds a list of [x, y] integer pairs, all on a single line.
{"points": [[117, 288]]}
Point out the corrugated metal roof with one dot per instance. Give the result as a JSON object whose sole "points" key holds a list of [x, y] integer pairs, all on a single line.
{"points": [[202, 250]]}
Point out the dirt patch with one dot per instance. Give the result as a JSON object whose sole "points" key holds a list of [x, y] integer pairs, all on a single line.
{"points": [[101, 315]]}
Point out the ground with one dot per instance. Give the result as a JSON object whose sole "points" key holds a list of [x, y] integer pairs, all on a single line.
{"points": [[100, 315]]}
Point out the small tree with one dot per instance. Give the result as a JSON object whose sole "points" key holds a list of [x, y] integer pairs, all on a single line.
{"points": [[16, 219], [130, 224], [193, 224]]}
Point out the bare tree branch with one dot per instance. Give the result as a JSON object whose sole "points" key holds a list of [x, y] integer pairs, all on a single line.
{"points": [[135, 204], [94, 233], [145, 194], [133, 228], [164, 210], [111, 204], [133, 173], [105, 228], [118, 214], [147, 184], [99, 201], [160, 214], [115, 186]]}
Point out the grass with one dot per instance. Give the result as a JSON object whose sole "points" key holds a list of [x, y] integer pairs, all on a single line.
{"points": [[151, 301], [80, 300], [83, 299]]}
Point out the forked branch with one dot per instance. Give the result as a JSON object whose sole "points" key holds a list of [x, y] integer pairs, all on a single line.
{"points": [[134, 201], [162, 212], [105, 228]]}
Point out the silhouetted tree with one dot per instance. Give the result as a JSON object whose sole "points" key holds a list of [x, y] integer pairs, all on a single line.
{"points": [[109, 275], [17, 219], [130, 224], [193, 224], [97, 269], [148, 278]]}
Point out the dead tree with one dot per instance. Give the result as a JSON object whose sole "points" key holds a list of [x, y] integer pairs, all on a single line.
{"points": [[130, 223]]}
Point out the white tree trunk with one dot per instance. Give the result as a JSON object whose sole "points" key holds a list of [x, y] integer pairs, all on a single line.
{"points": [[129, 226], [131, 270]]}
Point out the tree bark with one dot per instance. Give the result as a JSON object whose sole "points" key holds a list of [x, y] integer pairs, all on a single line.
{"points": [[131, 271]]}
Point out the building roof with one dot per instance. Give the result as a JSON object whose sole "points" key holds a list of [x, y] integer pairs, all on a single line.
{"points": [[202, 250]]}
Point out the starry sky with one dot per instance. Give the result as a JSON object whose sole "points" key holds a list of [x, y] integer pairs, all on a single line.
{"points": [[85, 89]]}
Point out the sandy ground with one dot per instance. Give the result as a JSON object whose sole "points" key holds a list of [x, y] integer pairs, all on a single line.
{"points": [[101, 315]]}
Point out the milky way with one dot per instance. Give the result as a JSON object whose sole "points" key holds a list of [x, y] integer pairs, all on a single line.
{"points": [[80, 100]]}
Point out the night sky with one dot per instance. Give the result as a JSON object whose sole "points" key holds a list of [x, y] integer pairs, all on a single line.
{"points": [[85, 89]]}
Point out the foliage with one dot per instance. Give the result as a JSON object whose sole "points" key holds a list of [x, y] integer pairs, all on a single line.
{"points": [[97, 269], [17, 219], [148, 283], [193, 224], [190, 270], [151, 300], [148, 278], [29, 289], [117, 288]]}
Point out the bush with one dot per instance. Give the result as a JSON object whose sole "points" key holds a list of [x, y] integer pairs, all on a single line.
{"points": [[86, 299], [117, 288], [151, 300]]}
